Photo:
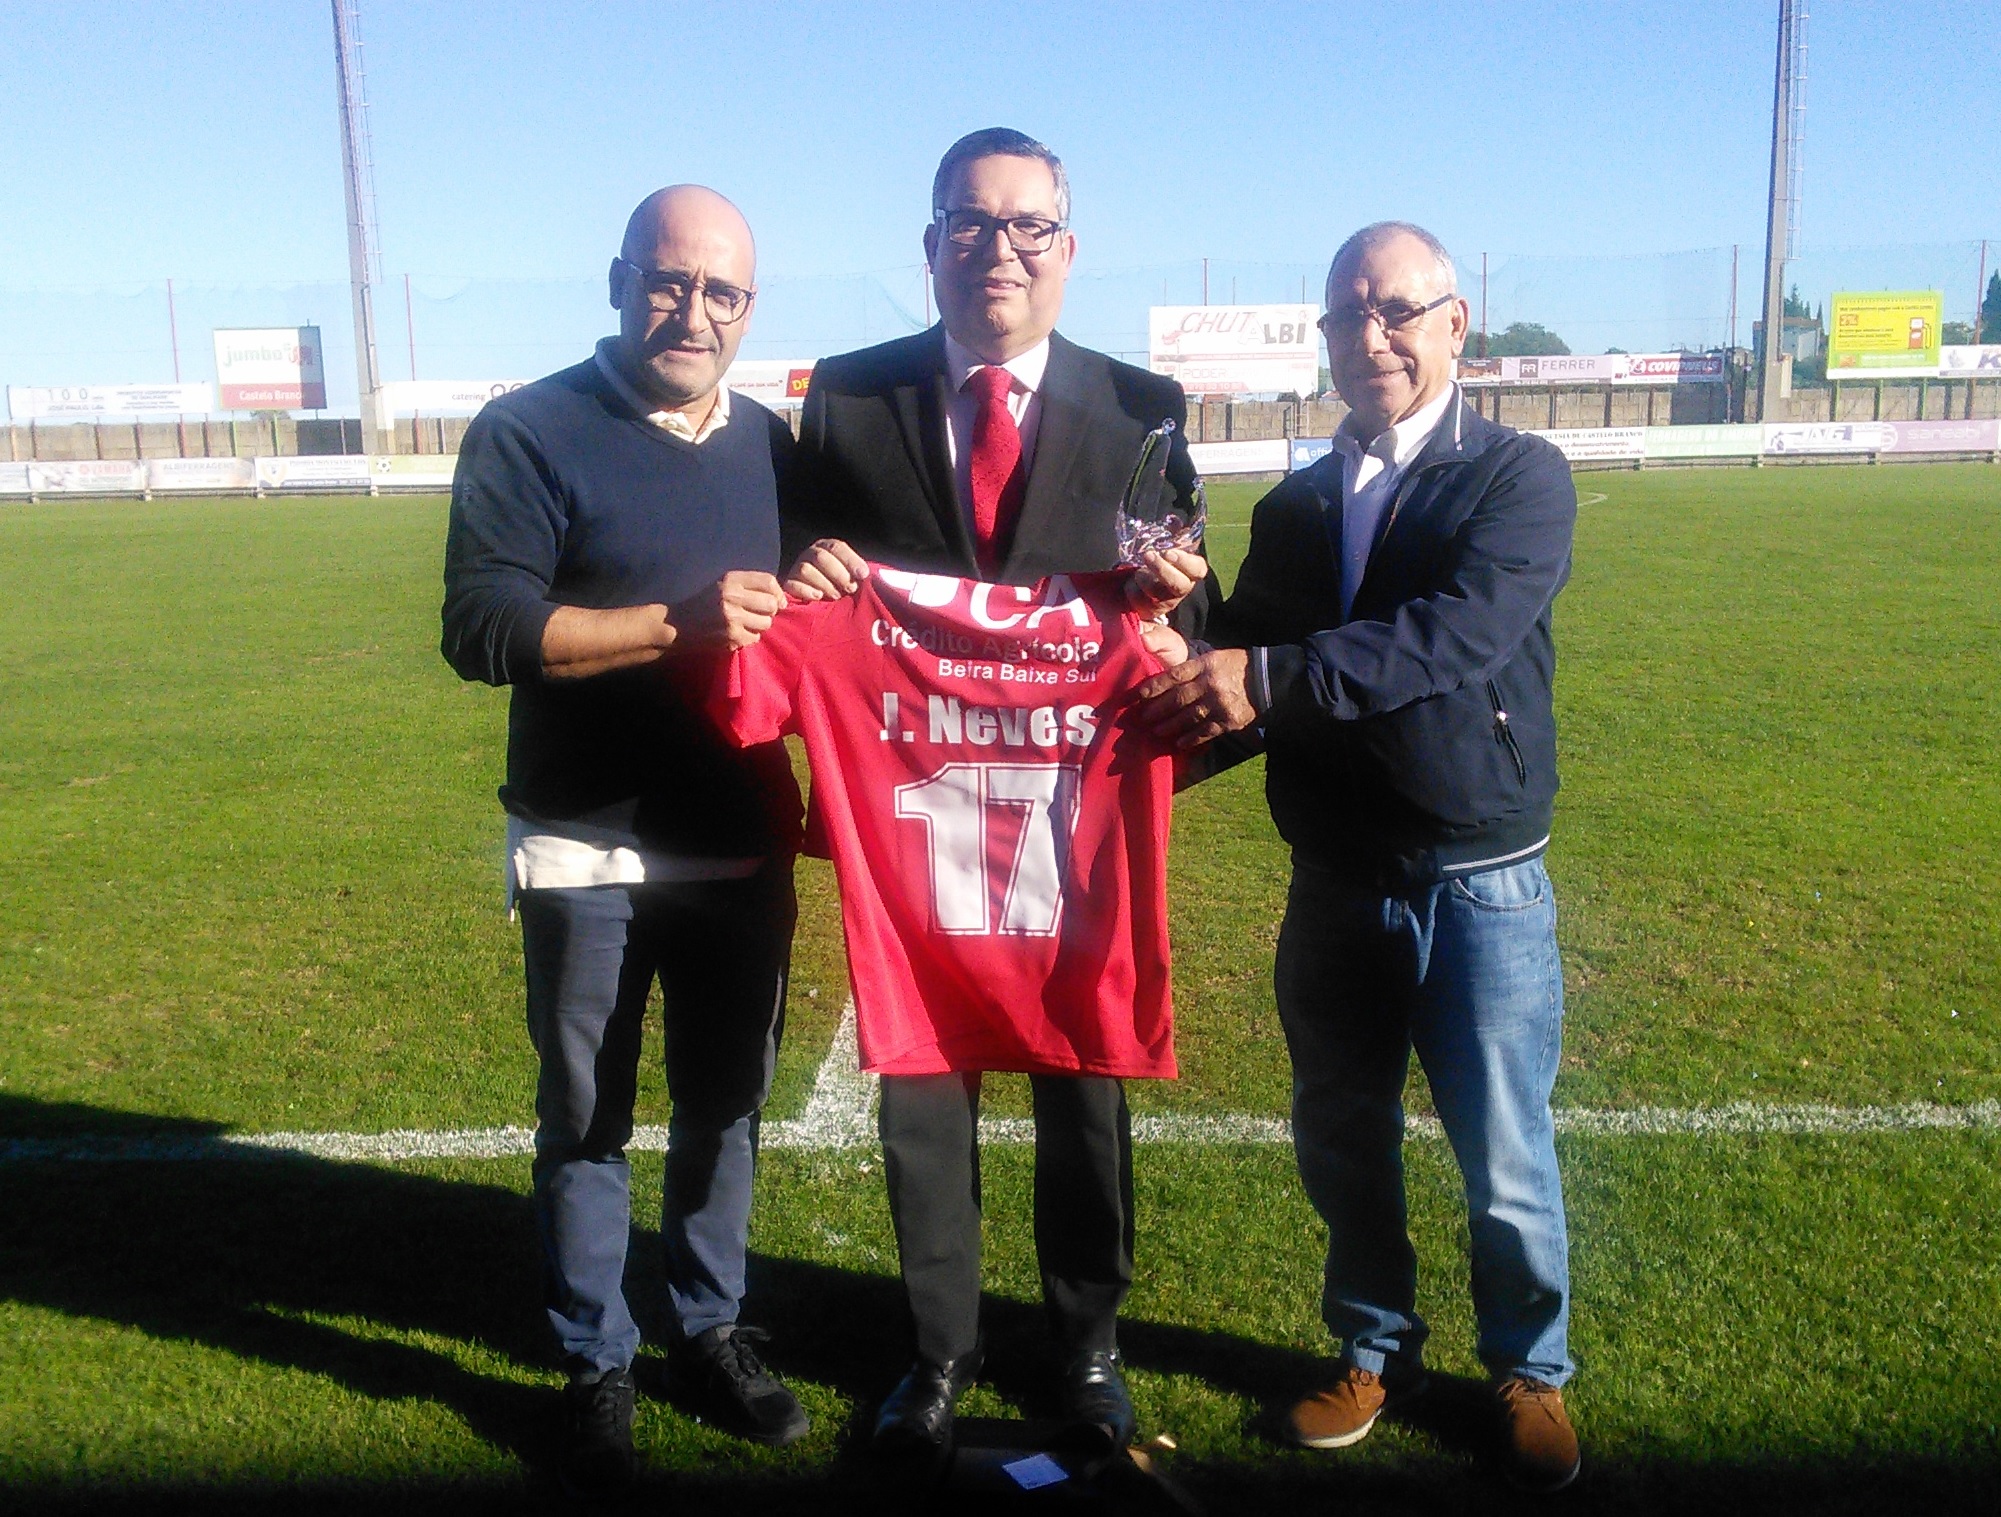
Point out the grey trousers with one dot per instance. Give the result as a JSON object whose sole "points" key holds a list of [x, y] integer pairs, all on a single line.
{"points": [[720, 950]]}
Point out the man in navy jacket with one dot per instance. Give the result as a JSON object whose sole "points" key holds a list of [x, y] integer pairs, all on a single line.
{"points": [[1391, 648]]}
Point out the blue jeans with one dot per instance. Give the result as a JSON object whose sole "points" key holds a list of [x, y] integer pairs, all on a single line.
{"points": [[720, 950], [1466, 972]]}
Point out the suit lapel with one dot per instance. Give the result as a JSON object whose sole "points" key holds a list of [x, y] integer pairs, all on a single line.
{"points": [[918, 401], [1049, 509]]}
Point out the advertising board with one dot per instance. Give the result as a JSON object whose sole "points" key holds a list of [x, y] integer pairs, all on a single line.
{"points": [[270, 369], [89, 476], [1970, 361], [1598, 444], [1269, 455], [413, 471], [1980, 436], [90, 402], [1874, 334], [330, 469], [1308, 451], [1596, 369], [1783, 437], [774, 382], [13, 479], [1741, 440], [1235, 350], [443, 397], [200, 473]]}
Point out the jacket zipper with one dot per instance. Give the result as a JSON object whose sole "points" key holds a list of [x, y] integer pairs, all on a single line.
{"points": [[1505, 734]]}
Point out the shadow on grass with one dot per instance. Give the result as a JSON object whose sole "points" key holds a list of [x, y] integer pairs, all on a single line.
{"points": [[272, 1260]]}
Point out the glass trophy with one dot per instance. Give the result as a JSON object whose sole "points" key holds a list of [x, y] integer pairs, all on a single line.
{"points": [[1151, 518]]}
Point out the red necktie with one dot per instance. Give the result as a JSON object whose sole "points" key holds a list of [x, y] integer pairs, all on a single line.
{"points": [[999, 481]]}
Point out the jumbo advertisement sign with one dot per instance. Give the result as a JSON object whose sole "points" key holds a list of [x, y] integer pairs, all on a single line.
{"points": [[270, 369], [1235, 350]]}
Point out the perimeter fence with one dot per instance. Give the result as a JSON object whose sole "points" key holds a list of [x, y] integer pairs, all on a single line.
{"points": [[495, 331]]}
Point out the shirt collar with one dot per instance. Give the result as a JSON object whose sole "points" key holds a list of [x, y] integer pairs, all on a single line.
{"points": [[1027, 368], [671, 422], [1403, 440]]}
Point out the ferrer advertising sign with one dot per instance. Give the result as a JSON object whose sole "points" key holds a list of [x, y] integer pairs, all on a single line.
{"points": [[270, 369], [1235, 350], [1876, 334], [1596, 368]]}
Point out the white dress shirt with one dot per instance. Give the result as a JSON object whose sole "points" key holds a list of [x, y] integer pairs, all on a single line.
{"points": [[1024, 404], [673, 423], [1369, 479]]}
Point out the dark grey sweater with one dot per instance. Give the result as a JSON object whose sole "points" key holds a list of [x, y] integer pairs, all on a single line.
{"points": [[563, 496]]}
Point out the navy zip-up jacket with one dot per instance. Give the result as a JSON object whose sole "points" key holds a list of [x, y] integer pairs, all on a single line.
{"points": [[1416, 740]]}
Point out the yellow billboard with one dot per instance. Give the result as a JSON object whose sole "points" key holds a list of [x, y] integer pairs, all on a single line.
{"points": [[1877, 330]]}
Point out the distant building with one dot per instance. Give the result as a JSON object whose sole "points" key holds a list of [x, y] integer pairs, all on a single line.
{"points": [[1801, 337]]}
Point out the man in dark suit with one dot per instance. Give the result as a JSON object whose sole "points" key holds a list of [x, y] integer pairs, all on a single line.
{"points": [[989, 447]]}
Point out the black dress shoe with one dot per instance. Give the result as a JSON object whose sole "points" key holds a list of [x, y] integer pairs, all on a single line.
{"points": [[1095, 1403], [916, 1417]]}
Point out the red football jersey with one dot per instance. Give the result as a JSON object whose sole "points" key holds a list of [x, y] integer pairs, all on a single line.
{"points": [[1000, 838]]}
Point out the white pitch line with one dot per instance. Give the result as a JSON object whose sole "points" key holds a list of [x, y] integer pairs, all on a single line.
{"points": [[1171, 1128], [840, 1115]]}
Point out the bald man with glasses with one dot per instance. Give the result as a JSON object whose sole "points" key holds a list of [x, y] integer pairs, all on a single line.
{"points": [[614, 533]]}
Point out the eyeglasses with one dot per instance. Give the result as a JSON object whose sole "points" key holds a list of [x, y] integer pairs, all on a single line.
{"points": [[1393, 315], [669, 290], [971, 229]]}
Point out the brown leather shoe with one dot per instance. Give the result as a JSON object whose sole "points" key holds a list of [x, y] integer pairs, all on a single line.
{"points": [[1343, 1412], [1538, 1445]]}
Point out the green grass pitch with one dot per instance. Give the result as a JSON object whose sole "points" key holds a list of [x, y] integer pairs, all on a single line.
{"points": [[251, 866]]}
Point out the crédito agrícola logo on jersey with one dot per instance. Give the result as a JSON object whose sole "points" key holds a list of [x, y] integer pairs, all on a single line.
{"points": [[994, 632]]}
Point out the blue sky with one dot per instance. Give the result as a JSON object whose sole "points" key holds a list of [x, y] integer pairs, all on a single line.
{"points": [[1576, 140]]}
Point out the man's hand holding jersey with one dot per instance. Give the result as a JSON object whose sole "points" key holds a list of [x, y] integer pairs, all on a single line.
{"points": [[581, 641], [1198, 699]]}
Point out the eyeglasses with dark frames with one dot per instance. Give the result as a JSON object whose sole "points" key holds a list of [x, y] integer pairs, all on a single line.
{"points": [[669, 290], [972, 229], [1391, 315]]}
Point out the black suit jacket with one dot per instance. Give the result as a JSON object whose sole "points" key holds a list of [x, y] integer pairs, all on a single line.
{"points": [[873, 467]]}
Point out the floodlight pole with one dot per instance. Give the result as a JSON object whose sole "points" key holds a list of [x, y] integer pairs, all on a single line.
{"points": [[1979, 295], [174, 342], [1733, 295], [358, 160], [1782, 213]]}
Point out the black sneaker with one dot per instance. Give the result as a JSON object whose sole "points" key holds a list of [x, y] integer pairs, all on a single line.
{"points": [[597, 1458], [717, 1375]]}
